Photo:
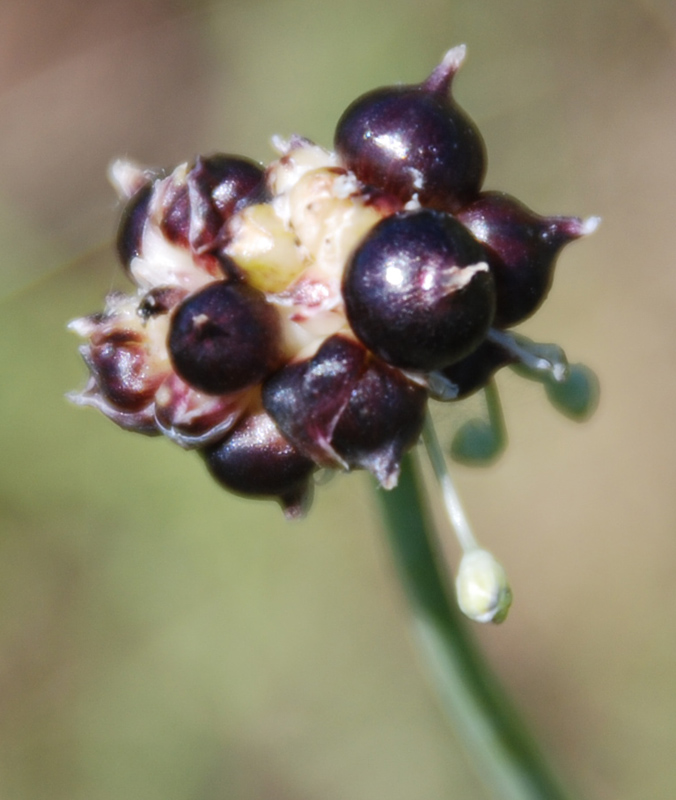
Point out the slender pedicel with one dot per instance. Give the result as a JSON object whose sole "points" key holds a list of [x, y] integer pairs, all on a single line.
{"points": [[482, 589]]}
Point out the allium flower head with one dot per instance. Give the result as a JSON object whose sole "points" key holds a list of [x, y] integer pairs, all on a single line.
{"points": [[301, 315]]}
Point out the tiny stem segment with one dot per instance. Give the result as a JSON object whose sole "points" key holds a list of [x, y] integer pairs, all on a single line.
{"points": [[542, 361], [454, 509], [496, 418], [505, 753]]}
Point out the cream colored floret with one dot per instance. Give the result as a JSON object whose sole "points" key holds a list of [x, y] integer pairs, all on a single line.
{"points": [[295, 247], [265, 249]]}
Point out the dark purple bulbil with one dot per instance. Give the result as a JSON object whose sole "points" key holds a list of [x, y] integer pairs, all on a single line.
{"points": [[119, 364], [224, 338], [194, 213], [220, 186], [522, 247], [382, 421], [255, 459], [475, 370], [175, 217], [408, 140], [408, 297], [346, 409], [130, 229]]}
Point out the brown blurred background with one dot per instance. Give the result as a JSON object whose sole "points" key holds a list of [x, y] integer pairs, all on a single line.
{"points": [[160, 639]]}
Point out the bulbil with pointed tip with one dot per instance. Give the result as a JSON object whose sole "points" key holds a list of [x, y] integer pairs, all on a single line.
{"points": [[522, 249], [347, 409], [415, 141]]}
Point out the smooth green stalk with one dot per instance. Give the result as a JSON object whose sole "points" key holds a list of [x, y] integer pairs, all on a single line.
{"points": [[505, 753]]}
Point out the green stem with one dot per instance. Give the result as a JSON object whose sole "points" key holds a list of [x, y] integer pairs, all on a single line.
{"points": [[506, 754]]}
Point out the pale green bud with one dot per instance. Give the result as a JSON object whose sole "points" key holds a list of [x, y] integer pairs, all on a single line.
{"points": [[482, 588]]}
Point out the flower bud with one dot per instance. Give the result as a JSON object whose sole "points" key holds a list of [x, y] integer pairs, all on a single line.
{"points": [[577, 395], [481, 585]]}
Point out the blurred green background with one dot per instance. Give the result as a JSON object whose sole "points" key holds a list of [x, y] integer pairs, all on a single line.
{"points": [[160, 639]]}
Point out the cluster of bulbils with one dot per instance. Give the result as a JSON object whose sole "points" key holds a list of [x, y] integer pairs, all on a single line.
{"points": [[298, 317]]}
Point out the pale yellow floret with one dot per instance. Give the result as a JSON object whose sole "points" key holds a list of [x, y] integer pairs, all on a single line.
{"points": [[301, 339], [264, 249], [295, 248], [157, 335], [327, 222], [163, 263], [286, 172]]}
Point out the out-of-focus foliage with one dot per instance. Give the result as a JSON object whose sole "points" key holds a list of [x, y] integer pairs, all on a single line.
{"points": [[162, 639]]}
